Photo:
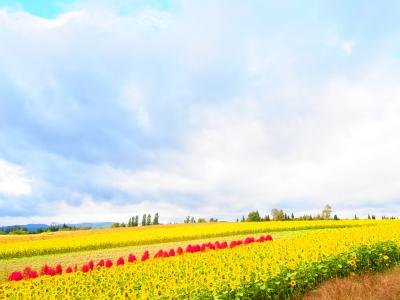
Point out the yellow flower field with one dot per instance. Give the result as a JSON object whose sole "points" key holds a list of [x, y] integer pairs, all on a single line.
{"points": [[70, 241], [258, 270]]}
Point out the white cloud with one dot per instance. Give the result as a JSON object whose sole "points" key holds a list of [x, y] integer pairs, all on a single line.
{"points": [[90, 210], [13, 181], [134, 100], [345, 46], [236, 111], [344, 153]]}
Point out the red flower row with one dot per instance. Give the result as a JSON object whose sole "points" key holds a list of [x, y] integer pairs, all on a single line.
{"points": [[29, 273]]}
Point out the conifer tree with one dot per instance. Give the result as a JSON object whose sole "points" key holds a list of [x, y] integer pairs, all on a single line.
{"points": [[148, 222], [144, 220]]}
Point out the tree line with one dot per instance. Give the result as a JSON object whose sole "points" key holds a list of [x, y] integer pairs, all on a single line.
{"points": [[51, 228], [134, 221]]}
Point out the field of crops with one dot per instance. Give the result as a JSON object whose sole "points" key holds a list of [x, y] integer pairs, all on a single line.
{"points": [[258, 270], [63, 242]]}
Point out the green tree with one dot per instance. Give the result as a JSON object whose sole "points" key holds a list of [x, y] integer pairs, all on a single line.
{"points": [[136, 221], [148, 222], [253, 216], [277, 214], [144, 220], [335, 217], [326, 212], [155, 221]]}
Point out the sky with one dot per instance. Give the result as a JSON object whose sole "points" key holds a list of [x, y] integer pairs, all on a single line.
{"points": [[110, 109]]}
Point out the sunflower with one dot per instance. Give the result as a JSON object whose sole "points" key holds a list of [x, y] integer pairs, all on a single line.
{"points": [[293, 283]]}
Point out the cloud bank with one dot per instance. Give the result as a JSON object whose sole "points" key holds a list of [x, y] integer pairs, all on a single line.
{"points": [[198, 108]]}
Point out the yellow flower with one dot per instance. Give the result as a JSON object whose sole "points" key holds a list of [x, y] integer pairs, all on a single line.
{"points": [[352, 262], [293, 283], [385, 257]]}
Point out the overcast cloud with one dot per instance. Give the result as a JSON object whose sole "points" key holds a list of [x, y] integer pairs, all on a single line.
{"points": [[110, 109]]}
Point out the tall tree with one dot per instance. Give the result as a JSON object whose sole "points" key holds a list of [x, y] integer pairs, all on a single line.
{"points": [[148, 219], [253, 216], [137, 220], [155, 221], [144, 220], [277, 214], [326, 212]]}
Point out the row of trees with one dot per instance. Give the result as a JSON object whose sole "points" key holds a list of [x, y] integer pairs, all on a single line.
{"points": [[280, 215], [190, 219], [134, 221], [51, 228]]}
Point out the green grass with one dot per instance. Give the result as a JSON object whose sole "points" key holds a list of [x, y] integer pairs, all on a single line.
{"points": [[65, 259]]}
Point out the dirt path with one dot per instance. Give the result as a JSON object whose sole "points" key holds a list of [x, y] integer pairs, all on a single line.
{"points": [[377, 286]]}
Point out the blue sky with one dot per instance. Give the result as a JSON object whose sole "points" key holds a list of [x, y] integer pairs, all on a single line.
{"points": [[115, 108]]}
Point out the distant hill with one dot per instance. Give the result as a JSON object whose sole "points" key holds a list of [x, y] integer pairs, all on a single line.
{"points": [[92, 225], [32, 227]]}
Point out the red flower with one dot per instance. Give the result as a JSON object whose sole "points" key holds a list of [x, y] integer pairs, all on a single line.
{"points": [[159, 253], [85, 268], [51, 272], [223, 245], [76, 267], [109, 263], [15, 276], [232, 244], [58, 269], [171, 252], [268, 238], [68, 270], [33, 274], [211, 246], [249, 240], [120, 261], [179, 251], [196, 248], [44, 270], [26, 271], [203, 247], [91, 265], [100, 264], [131, 258], [145, 256], [189, 248]]}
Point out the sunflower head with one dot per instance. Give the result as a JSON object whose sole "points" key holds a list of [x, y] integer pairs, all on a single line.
{"points": [[293, 283]]}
